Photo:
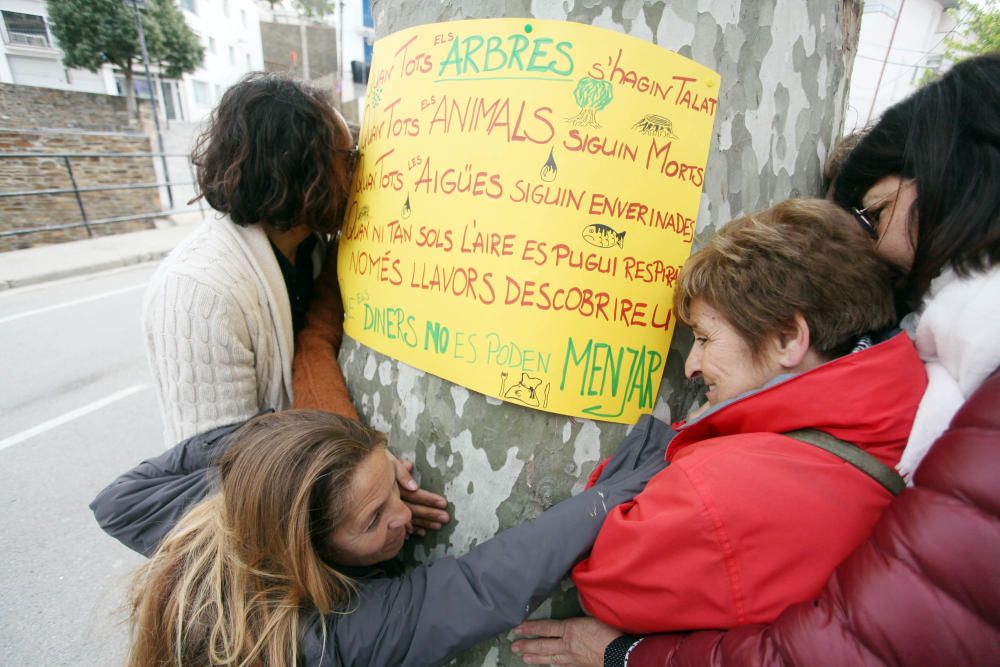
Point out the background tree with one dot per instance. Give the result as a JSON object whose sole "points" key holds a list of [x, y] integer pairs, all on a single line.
{"points": [[976, 31], [178, 49], [94, 32]]}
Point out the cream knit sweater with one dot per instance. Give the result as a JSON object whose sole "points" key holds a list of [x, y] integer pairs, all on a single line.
{"points": [[218, 330]]}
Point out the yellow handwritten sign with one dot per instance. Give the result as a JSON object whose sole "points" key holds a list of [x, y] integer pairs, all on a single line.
{"points": [[526, 193]]}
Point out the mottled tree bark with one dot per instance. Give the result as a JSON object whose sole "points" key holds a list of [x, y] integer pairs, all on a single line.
{"points": [[785, 66]]}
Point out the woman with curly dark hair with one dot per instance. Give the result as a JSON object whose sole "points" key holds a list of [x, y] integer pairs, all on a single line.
{"points": [[223, 309], [221, 312]]}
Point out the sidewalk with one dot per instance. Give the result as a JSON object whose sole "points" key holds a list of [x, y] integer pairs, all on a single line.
{"points": [[19, 268]]}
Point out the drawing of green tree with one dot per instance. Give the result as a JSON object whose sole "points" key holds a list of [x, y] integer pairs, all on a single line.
{"points": [[591, 96]]}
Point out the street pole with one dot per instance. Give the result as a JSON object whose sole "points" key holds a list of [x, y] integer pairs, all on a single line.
{"points": [[340, 57], [152, 97], [881, 73]]}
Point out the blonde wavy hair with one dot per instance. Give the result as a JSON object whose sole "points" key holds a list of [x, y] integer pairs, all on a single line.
{"points": [[232, 582]]}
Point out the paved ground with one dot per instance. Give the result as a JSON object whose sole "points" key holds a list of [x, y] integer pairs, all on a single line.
{"points": [[41, 264], [78, 409]]}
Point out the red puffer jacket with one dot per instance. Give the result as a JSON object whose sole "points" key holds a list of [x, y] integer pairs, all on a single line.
{"points": [[746, 521], [924, 589]]}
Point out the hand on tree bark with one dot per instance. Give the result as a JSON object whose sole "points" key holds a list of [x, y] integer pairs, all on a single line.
{"points": [[427, 508], [578, 642]]}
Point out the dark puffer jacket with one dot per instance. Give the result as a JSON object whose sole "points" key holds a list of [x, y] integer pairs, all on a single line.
{"points": [[924, 589]]}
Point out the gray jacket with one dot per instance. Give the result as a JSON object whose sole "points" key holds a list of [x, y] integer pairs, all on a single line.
{"points": [[436, 610]]}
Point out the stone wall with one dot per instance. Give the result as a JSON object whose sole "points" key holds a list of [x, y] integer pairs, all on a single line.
{"points": [[44, 120], [279, 41], [24, 174], [322, 50], [30, 107]]}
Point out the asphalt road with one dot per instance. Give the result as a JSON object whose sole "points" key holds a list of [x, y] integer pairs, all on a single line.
{"points": [[77, 408]]}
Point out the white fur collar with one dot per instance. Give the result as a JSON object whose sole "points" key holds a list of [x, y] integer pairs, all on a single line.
{"points": [[958, 338]]}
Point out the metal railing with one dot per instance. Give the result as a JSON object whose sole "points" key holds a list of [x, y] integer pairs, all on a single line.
{"points": [[76, 191]]}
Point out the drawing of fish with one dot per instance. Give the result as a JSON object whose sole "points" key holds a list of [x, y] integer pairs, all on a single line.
{"points": [[603, 236]]}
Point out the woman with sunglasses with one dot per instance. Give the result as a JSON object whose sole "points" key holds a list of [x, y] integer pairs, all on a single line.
{"points": [[924, 183]]}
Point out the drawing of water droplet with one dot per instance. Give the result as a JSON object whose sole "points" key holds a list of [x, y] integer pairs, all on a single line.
{"points": [[549, 169], [406, 207]]}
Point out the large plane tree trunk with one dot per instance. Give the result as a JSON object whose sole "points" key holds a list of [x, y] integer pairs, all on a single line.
{"points": [[784, 66]]}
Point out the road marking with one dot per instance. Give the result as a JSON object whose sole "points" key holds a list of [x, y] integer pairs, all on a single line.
{"points": [[82, 278], [70, 416], [76, 302]]}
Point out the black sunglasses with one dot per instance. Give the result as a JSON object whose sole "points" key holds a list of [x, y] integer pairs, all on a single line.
{"points": [[861, 215]]}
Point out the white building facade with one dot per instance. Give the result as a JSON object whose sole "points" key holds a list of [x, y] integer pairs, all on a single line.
{"points": [[31, 56], [900, 40], [351, 23], [229, 30]]}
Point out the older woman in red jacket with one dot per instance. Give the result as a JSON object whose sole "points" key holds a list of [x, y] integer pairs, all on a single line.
{"points": [[747, 519], [923, 590]]}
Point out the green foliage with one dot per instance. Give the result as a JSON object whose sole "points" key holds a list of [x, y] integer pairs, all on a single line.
{"points": [[979, 32], [179, 49], [593, 93], [94, 32]]}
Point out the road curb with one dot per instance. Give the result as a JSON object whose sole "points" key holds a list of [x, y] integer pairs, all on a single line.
{"points": [[75, 271], [47, 263]]}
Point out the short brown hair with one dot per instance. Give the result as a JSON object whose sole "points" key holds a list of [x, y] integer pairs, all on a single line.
{"points": [[803, 255], [276, 151]]}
